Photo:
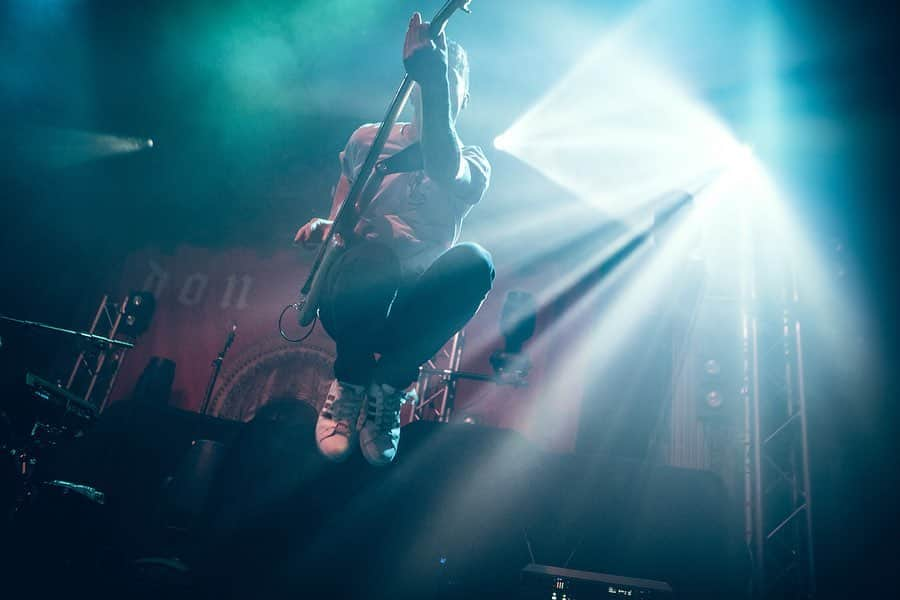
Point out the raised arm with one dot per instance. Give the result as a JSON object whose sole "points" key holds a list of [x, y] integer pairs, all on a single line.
{"points": [[426, 62]]}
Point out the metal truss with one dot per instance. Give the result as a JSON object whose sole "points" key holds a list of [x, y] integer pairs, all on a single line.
{"points": [[436, 386], [778, 515], [759, 444], [95, 370]]}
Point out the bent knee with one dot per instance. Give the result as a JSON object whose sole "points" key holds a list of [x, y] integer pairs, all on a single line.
{"points": [[476, 263]]}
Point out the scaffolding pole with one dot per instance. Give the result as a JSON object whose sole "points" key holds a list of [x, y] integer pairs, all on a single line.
{"points": [[779, 495], [436, 385], [100, 363]]}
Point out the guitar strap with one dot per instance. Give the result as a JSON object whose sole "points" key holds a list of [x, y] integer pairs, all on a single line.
{"points": [[406, 160]]}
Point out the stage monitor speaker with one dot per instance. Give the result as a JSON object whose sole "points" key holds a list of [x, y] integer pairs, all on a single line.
{"points": [[554, 583]]}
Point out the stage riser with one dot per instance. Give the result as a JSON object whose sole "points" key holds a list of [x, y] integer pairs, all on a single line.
{"points": [[276, 516]]}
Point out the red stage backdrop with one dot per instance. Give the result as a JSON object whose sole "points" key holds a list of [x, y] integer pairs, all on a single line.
{"points": [[201, 292]]}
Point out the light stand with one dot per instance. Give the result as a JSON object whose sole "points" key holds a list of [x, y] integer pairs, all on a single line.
{"points": [[510, 365]]}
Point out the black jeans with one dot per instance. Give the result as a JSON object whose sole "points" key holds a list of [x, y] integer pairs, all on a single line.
{"points": [[368, 309]]}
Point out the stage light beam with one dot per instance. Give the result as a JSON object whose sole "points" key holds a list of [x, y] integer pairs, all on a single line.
{"points": [[619, 129], [501, 142], [58, 148]]}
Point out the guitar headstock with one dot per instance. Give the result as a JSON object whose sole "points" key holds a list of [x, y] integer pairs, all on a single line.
{"points": [[451, 6]]}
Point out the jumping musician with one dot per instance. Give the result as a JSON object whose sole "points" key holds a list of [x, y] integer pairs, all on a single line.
{"points": [[403, 287]]}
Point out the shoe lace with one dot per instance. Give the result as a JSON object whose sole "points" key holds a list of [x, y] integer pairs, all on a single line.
{"points": [[385, 410], [346, 409]]}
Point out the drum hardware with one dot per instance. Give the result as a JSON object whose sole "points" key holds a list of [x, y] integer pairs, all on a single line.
{"points": [[57, 415], [103, 350], [85, 491], [89, 336], [60, 413]]}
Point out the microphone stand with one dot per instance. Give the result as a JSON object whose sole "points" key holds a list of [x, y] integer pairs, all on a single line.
{"points": [[217, 366]]}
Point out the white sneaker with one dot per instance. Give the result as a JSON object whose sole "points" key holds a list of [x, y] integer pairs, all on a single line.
{"points": [[338, 420], [380, 434]]}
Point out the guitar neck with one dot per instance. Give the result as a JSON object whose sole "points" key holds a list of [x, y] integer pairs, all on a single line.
{"points": [[344, 219], [440, 19]]}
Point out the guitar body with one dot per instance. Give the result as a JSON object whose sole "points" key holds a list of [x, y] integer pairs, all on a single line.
{"points": [[309, 305]]}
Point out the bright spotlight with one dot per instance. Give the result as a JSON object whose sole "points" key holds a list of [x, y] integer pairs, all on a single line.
{"points": [[739, 158], [617, 130], [65, 147]]}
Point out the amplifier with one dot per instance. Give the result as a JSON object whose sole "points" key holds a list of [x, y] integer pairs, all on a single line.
{"points": [[554, 583]]}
